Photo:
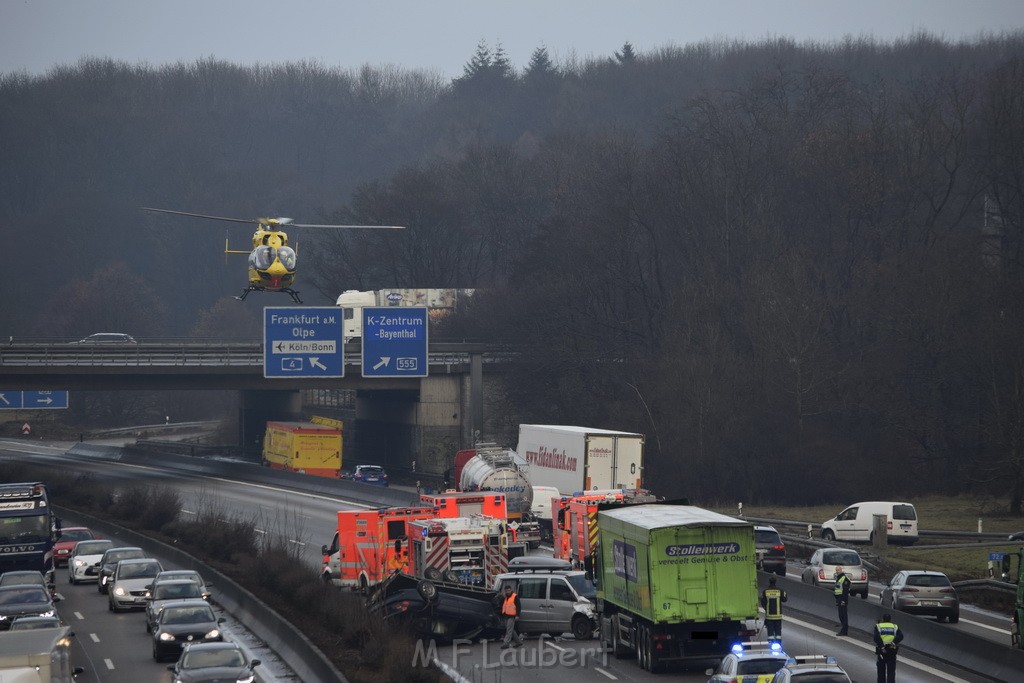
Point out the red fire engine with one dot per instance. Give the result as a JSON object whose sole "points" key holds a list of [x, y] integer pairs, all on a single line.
{"points": [[574, 521], [470, 550], [369, 545]]}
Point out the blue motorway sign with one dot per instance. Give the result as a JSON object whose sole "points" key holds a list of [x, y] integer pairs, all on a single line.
{"points": [[33, 400], [303, 342], [395, 341]]}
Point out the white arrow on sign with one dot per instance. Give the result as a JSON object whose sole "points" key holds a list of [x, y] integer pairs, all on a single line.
{"points": [[384, 360], [46, 400], [4, 399], [315, 362]]}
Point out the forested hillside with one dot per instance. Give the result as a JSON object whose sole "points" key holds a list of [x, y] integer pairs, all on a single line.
{"points": [[794, 267]]}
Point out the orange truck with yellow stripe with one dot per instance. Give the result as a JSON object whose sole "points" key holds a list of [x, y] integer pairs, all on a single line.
{"points": [[461, 538], [574, 521]]}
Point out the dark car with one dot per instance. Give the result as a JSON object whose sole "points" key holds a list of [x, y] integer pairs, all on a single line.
{"points": [[183, 622], [107, 338], [771, 551], [32, 623], [441, 610], [205, 662], [370, 474], [106, 565], [162, 592], [24, 600]]}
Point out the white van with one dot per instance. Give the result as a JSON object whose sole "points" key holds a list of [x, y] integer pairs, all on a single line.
{"points": [[855, 522]]}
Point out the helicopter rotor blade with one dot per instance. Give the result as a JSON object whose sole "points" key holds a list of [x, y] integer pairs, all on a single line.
{"points": [[384, 227], [200, 215]]}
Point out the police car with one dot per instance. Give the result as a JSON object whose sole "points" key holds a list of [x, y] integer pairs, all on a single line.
{"points": [[811, 668], [749, 663]]}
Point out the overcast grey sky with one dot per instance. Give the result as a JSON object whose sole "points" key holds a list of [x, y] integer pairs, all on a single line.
{"points": [[442, 35]]}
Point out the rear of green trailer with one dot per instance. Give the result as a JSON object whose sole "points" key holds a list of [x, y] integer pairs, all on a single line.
{"points": [[680, 571]]}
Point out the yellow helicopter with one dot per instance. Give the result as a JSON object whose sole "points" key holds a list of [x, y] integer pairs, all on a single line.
{"points": [[272, 263]]}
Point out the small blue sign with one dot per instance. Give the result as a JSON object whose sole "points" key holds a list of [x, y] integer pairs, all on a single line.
{"points": [[33, 400], [395, 341], [996, 557], [303, 342]]}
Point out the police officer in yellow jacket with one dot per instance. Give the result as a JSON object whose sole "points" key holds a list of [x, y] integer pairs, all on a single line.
{"points": [[771, 600], [888, 637], [842, 595]]}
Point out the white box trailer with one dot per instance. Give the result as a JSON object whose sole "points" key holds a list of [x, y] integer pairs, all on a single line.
{"points": [[573, 459], [37, 656]]}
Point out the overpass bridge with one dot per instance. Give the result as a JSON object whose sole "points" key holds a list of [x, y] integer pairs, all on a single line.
{"points": [[418, 418]]}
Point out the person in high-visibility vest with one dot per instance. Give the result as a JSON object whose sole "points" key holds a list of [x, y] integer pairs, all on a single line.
{"points": [[842, 594], [510, 608], [888, 637], [772, 598]]}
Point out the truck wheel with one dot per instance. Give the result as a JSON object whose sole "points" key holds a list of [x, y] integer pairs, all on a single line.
{"points": [[450, 576], [650, 654], [433, 574], [582, 629], [638, 647]]}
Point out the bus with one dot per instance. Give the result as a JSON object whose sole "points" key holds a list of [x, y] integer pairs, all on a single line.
{"points": [[28, 528]]}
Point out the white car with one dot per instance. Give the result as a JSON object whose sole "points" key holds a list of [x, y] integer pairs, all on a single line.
{"points": [[82, 561]]}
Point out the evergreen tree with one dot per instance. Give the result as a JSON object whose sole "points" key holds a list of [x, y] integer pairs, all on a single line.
{"points": [[627, 56], [540, 64]]}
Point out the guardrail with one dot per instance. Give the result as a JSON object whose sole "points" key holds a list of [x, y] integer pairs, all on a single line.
{"points": [[934, 533], [204, 354]]}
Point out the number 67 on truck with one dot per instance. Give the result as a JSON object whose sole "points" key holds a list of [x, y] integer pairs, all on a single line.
{"points": [[675, 583]]}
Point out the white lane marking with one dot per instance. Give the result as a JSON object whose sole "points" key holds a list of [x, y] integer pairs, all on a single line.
{"points": [[871, 648], [1001, 631], [292, 540], [110, 664], [78, 615], [604, 673], [259, 531], [95, 638], [548, 643]]}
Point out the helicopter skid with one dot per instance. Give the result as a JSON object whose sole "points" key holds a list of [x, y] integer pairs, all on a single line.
{"points": [[290, 292]]}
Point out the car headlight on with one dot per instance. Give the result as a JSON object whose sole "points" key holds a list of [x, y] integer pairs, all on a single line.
{"points": [[166, 637], [246, 678], [3, 617], [119, 592], [80, 563], [48, 613], [215, 633]]}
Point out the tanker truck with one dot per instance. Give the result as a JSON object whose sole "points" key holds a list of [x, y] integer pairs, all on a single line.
{"points": [[493, 468]]}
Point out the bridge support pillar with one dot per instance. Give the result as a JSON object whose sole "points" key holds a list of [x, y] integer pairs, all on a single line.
{"points": [[256, 408]]}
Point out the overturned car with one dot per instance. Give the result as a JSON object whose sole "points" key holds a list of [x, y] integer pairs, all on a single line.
{"points": [[437, 608]]}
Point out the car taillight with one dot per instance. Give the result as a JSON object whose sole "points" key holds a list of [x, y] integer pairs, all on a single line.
{"points": [[863, 574], [821, 575], [909, 590], [779, 547], [948, 590]]}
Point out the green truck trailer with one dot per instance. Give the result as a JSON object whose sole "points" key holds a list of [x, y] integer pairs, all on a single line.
{"points": [[675, 583]]}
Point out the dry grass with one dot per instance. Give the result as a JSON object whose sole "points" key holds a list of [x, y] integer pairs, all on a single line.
{"points": [[958, 513]]}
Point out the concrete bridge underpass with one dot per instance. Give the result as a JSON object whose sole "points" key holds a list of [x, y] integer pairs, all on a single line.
{"points": [[391, 421]]}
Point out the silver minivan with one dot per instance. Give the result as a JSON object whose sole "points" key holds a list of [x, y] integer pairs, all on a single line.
{"points": [[553, 601]]}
